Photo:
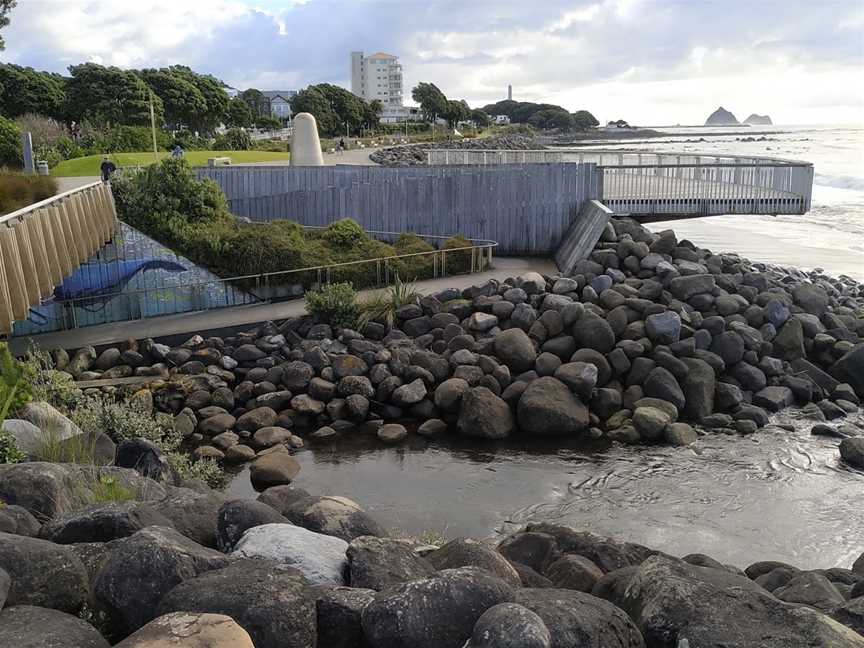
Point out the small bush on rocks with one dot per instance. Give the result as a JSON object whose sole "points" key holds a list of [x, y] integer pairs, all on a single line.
{"points": [[9, 452], [334, 303], [15, 391]]}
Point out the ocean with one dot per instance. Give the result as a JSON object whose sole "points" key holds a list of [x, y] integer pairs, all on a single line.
{"points": [[830, 236]]}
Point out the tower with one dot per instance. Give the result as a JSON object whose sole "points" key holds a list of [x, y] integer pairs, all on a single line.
{"points": [[509, 93]]}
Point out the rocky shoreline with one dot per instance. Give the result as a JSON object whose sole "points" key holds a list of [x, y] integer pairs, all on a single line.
{"points": [[184, 564], [415, 154], [651, 340]]}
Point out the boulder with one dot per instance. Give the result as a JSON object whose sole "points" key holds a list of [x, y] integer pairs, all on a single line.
{"points": [[103, 522], [661, 384], [409, 394], [578, 619], [189, 630], [593, 332], [338, 612], [435, 612], [515, 349], [788, 344], [580, 377], [332, 515], [810, 588], [811, 298], [774, 399], [273, 467], [448, 395], [663, 328], [392, 433], [380, 563], [238, 516], [18, 520], [852, 451], [572, 571], [320, 558], [139, 571], [42, 574], [672, 601], [148, 459], [465, 552], [273, 603], [508, 625], [26, 626], [485, 415], [51, 422], [254, 420], [698, 387], [195, 515], [548, 407], [536, 550], [690, 285], [850, 369]]}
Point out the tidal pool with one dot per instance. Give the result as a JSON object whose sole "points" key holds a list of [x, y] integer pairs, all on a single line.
{"points": [[777, 494]]}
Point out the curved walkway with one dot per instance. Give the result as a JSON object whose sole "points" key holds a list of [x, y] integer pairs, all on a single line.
{"points": [[227, 318]]}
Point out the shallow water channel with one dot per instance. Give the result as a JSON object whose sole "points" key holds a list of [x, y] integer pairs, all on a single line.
{"points": [[777, 494]]}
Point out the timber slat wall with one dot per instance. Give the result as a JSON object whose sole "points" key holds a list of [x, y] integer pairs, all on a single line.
{"points": [[46, 242], [582, 235], [525, 208]]}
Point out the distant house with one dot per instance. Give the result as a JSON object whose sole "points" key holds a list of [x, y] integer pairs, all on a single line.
{"points": [[231, 92], [499, 119], [280, 102], [400, 114]]}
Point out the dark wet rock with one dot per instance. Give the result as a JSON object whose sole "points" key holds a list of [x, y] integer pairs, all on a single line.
{"points": [[572, 571], [698, 387], [774, 399], [273, 467], [140, 570], [194, 514], [852, 451], [148, 459], [483, 414], [331, 515], [508, 625], [548, 407], [26, 626], [19, 521], [612, 586], [529, 577], [273, 603], [42, 573], [338, 612], [436, 612], [392, 433], [237, 516], [671, 600], [463, 552], [850, 369], [593, 332], [663, 385], [515, 349], [380, 563], [103, 522], [536, 550], [812, 589], [579, 619]]}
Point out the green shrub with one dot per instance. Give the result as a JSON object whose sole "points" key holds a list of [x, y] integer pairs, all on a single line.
{"points": [[15, 390], [121, 139], [107, 488], [18, 190], [189, 141], [458, 262], [413, 268], [9, 452], [345, 233], [234, 139], [11, 151], [335, 304], [383, 305], [117, 419]]}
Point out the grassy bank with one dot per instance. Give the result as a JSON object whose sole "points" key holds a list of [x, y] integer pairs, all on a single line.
{"points": [[89, 165], [18, 190]]}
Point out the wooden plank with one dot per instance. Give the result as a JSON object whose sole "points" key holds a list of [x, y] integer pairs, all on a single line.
{"points": [[14, 273], [62, 240], [28, 264], [40, 252], [52, 254]]}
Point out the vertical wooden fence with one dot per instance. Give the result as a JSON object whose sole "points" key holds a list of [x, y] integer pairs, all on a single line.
{"points": [[525, 208], [42, 244]]}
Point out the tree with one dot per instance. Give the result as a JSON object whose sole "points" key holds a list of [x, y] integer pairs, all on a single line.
{"points": [[432, 101], [110, 95], [5, 7], [456, 112], [181, 98], [552, 118], [268, 123], [240, 115], [10, 143], [333, 108], [216, 100], [256, 101], [24, 90], [480, 118], [583, 120], [372, 113], [312, 100]]}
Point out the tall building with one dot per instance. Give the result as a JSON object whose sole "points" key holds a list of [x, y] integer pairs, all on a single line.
{"points": [[378, 76]]}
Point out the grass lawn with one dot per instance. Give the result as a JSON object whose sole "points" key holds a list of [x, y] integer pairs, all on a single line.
{"points": [[89, 166]]}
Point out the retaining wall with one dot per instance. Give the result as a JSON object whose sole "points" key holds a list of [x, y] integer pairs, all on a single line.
{"points": [[525, 208]]}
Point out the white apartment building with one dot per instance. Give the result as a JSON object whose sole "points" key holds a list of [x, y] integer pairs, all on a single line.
{"points": [[378, 76]]}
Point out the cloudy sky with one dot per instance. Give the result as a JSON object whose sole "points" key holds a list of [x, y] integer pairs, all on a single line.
{"points": [[652, 62]]}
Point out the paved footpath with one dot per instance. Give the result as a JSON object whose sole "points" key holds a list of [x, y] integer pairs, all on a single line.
{"points": [[197, 322]]}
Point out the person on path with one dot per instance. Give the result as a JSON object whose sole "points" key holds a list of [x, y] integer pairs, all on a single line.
{"points": [[107, 168], [177, 151], [341, 146]]}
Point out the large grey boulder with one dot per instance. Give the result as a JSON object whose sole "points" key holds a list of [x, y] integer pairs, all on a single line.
{"points": [[26, 626], [466, 552], [436, 612], [28, 437], [332, 515], [850, 369], [690, 285], [811, 298], [485, 415], [515, 349], [18, 520], [189, 630], [663, 328], [380, 563], [810, 588], [580, 377], [547, 407], [273, 467], [42, 573], [320, 558], [103, 522], [672, 601], [195, 515], [852, 451], [593, 332], [139, 571], [5, 585], [50, 422], [661, 384], [698, 387], [508, 625], [273, 603], [448, 395], [148, 459], [579, 619]]}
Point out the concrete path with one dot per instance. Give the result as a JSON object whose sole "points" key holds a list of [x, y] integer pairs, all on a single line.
{"points": [[199, 322], [68, 184]]}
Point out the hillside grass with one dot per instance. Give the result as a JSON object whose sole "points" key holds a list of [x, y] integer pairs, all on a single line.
{"points": [[89, 165]]}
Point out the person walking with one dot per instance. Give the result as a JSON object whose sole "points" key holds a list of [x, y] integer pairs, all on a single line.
{"points": [[341, 146], [177, 151], [107, 168]]}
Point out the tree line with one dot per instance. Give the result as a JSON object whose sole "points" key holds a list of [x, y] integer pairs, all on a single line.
{"points": [[542, 115]]}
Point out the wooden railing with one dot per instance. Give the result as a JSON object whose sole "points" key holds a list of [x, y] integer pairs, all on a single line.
{"points": [[42, 244]]}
